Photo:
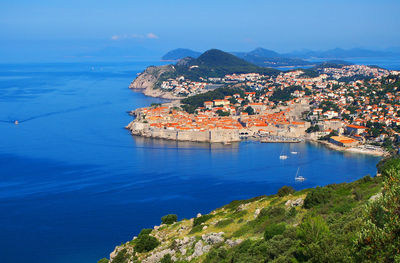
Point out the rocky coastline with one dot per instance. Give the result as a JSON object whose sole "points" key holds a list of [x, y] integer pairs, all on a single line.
{"points": [[146, 83], [147, 80]]}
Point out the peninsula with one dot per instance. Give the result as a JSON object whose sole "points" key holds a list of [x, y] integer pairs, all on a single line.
{"points": [[221, 98]]}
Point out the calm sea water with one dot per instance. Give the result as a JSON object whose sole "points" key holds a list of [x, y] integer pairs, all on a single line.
{"points": [[74, 183]]}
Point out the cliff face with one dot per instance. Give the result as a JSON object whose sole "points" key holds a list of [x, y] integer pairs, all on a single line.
{"points": [[146, 81]]}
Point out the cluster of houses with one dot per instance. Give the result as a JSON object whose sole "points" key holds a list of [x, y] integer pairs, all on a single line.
{"points": [[355, 70], [358, 104], [184, 87], [228, 114], [343, 107]]}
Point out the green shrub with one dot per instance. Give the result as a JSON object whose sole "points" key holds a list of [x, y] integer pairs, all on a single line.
{"points": [[145, 243], [312, 230], [250, 251], [358, 195], [121, 257], [285, 190], [379, 237], [273, 230], [169, 219], [216, 256], [224, 223], [201, 219], [236, 203], [238, 214], [343, 208], [276, 211], [388, 164], [273, 213], [103, 260], [167, 259], [366, 179], [246, 228], [292, 212], [196, 229], [145, 231], [317, 196]]}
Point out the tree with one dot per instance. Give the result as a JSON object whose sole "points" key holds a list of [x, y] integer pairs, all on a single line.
{"points": [[249, 110], [314, 234], [274, 229], [312, 230], [285, 190], [379, 238], [169, 219], [167, 259], [222, 113], [317, 196], [145, 243], [314, 128]]}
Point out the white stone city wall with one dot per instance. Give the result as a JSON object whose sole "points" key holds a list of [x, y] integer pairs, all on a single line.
{"points": [[144, 129]]}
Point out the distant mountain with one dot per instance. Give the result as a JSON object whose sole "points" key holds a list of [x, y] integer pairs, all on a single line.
{"points": [[216, 63], [260, 56], [213, 63], [218, 58], [180, 53], [269, 58], [258, 52], [340, 53]]}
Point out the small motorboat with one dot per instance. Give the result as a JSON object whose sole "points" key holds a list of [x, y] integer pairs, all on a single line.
{"points": [[293, 152], [16, 122]]}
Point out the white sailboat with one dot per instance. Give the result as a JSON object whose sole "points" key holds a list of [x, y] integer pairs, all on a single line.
{"points": [[298, 177], [294, 151], [283, 156]]}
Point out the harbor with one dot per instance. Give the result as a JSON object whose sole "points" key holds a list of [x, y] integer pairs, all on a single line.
{"points": [[280, 139]]}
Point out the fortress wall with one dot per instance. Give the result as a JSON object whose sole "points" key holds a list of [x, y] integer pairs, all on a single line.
{"points": [[165, 134], [224, 136], [197, 136]]}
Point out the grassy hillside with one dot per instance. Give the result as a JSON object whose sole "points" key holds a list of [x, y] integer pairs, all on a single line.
{"points": [[336, 223], [215, 64]]}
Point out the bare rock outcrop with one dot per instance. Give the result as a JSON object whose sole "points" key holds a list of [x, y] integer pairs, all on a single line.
{"points": [[199, 249], [232, 243], [213, 238], [147, 80], [157, 256], [375, 197], [293, 203]]}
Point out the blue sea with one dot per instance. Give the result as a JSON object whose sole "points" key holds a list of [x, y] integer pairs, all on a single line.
{"points": [[74, 183]]}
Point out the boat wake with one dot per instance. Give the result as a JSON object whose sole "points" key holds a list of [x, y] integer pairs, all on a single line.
{"points": [[52, 113]]}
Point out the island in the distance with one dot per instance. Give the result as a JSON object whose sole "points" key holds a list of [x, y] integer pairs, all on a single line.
{"points": [[219, 97]]}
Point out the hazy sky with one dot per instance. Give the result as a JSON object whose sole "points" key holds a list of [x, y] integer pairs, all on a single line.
{"points": [[54, 28]]}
